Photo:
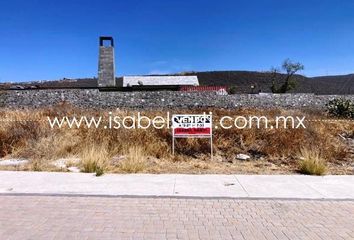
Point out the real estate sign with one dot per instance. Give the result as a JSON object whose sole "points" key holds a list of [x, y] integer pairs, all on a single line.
{"points": [[192, 126]]}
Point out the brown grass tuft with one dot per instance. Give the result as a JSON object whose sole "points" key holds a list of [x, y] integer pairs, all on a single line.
{"points": [[94, 158], [311, 162], [135, 160]]}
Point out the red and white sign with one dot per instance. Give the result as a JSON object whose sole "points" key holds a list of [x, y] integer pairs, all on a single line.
{"points": [[192, 125]]}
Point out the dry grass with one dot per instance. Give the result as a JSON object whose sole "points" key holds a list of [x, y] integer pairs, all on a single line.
{"points": [[36, 141], [94, 158], [134, 162], [311, 162]]}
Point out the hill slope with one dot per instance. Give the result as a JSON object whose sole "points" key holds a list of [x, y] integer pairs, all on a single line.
{"points": [[242, 80]]}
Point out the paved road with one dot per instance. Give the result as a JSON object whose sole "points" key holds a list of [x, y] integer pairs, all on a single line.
{"points": [[59, 217]]}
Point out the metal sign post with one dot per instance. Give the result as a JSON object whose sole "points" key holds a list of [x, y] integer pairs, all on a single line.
{"points": [[192, 126]]}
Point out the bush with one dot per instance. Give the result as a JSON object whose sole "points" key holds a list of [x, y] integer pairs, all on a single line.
{"points": [[94, 159], [311, 162], [341, 108], [99, 171], [232, 90]]}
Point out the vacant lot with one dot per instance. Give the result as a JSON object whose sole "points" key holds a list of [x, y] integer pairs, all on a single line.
{"points": [[26, 134]]}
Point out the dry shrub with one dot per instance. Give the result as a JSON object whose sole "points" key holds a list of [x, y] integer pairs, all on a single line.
{"points": [[282, 142], [37, 141], [192, 146], [37, 165], [311, 162], [94, 158], [15, 135], [134, 161]]}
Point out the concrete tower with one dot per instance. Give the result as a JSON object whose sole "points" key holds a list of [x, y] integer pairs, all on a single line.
{"points": [[106, 66]]}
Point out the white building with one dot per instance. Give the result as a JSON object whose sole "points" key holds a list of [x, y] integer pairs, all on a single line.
{"points": [[130, 81]]}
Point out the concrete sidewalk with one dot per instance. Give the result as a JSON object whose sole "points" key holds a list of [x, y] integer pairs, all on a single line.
{"points": [[175, 185]]}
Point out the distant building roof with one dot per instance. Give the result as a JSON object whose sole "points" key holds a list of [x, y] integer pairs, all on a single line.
{"points": [[160, 81]]}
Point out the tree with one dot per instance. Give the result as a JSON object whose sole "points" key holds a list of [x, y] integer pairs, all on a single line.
{"points": [[274, 74], [232, 90], [290, 68]]}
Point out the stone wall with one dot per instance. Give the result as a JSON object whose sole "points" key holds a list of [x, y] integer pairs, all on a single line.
{"points": [[92, 98]]}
